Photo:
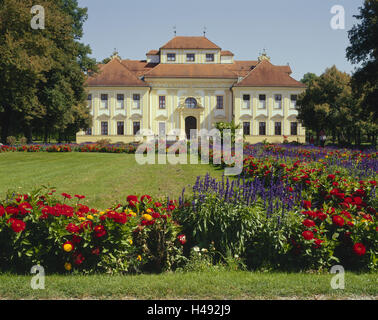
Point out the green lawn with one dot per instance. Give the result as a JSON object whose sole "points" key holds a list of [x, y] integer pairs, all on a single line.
{"points": [[217, 285], [104, 178]]}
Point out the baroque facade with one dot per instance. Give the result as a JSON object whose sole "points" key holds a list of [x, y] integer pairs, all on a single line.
{"points": [[191, 83]]}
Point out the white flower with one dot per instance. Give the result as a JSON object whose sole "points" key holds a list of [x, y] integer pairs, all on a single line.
{"points": [[196, 249]]}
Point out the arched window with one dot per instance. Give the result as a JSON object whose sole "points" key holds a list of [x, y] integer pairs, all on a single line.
{"points": [[191, 103]]}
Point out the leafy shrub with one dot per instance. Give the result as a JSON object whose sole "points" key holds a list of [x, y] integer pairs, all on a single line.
{"points": [[11, 140], [23, 141]]}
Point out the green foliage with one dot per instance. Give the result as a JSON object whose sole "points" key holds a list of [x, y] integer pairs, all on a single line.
{"points": [[66, 236], [43, 72]]}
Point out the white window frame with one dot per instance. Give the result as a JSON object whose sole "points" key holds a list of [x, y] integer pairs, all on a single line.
{"points": [[216, 101], [291, 106], [210, 54], [277, 103], [259, 101], [106, 107], [136, 103], [248, 105], [122, 107]]}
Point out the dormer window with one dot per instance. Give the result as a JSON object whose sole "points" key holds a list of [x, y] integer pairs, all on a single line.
{"points": [[190, 57], [171, 56], [209, 57]]}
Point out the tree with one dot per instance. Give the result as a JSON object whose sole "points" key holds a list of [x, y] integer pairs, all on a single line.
{"points": [[308, 78], [363, 50], [43, 72], [328, 104]]}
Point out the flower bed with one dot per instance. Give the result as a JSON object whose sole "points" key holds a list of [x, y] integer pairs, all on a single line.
{"points": [[61, 234]]}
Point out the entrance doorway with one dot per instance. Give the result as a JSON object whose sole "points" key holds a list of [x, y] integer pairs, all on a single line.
{"points": [[190, 123]]}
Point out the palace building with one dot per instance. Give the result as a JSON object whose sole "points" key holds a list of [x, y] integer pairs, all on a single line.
{"points": [[191, 83]]}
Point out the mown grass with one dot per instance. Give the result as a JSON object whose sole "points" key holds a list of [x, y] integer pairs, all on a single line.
{"points": [[103, 178], [217, 285]]}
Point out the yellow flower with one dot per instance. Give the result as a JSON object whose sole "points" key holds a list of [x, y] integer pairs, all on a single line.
{"points": [[139, 258], [133, 213], [67, 266], [90, 217], [102, 212], [67, 247], [131, 241], [81, 218], [147, 217]]}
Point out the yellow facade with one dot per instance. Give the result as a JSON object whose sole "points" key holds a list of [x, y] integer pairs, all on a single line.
{"points": [[206, 91]]}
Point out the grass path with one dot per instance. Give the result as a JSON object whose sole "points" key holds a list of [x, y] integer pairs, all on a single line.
{"points": [[103, 177], [213, 284]]}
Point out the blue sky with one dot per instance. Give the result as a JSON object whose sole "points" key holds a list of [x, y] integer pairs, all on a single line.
{"points": [[297, 32]]}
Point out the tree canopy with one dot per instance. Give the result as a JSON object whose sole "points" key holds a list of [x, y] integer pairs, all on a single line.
{"points": [[42, 71]]}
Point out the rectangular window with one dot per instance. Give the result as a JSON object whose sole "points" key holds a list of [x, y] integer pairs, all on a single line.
{"points": [[209, 57], [89, 100], [293, 100], [120, 128], [294, 128], [171, 56], [120, 101], [278, 101], [136, 101], [262, 128], [246, 101], [262, 101], [277, 128], [104, 128], [161, 128], [247, 128], [219, 102], [104, 101], [190, 57], [136, 127], [161, 102], [88, 132]]}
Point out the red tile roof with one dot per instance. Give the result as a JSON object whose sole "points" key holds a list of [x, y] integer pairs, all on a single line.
{"points": [[181, 42], [114, 73], [242, 68], [210, 71], [139, 67], [267, 75], [226, 53], [152, 52]]}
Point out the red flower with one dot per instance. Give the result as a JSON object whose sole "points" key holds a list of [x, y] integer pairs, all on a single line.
{"points": [[12, 210], [66, 195], [80, 197], [308, 223], [72, 228], [308, 235], [146, 196], [133, 200], [25, 208], [357, 200], [78, 258], [359, 249], [2, 211], [158, 204], [76, 239], [99, 231], [96, 251], [322, 216], [17, 225], [331, 177], [337, 220], [306, 204], [182, 238]]}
